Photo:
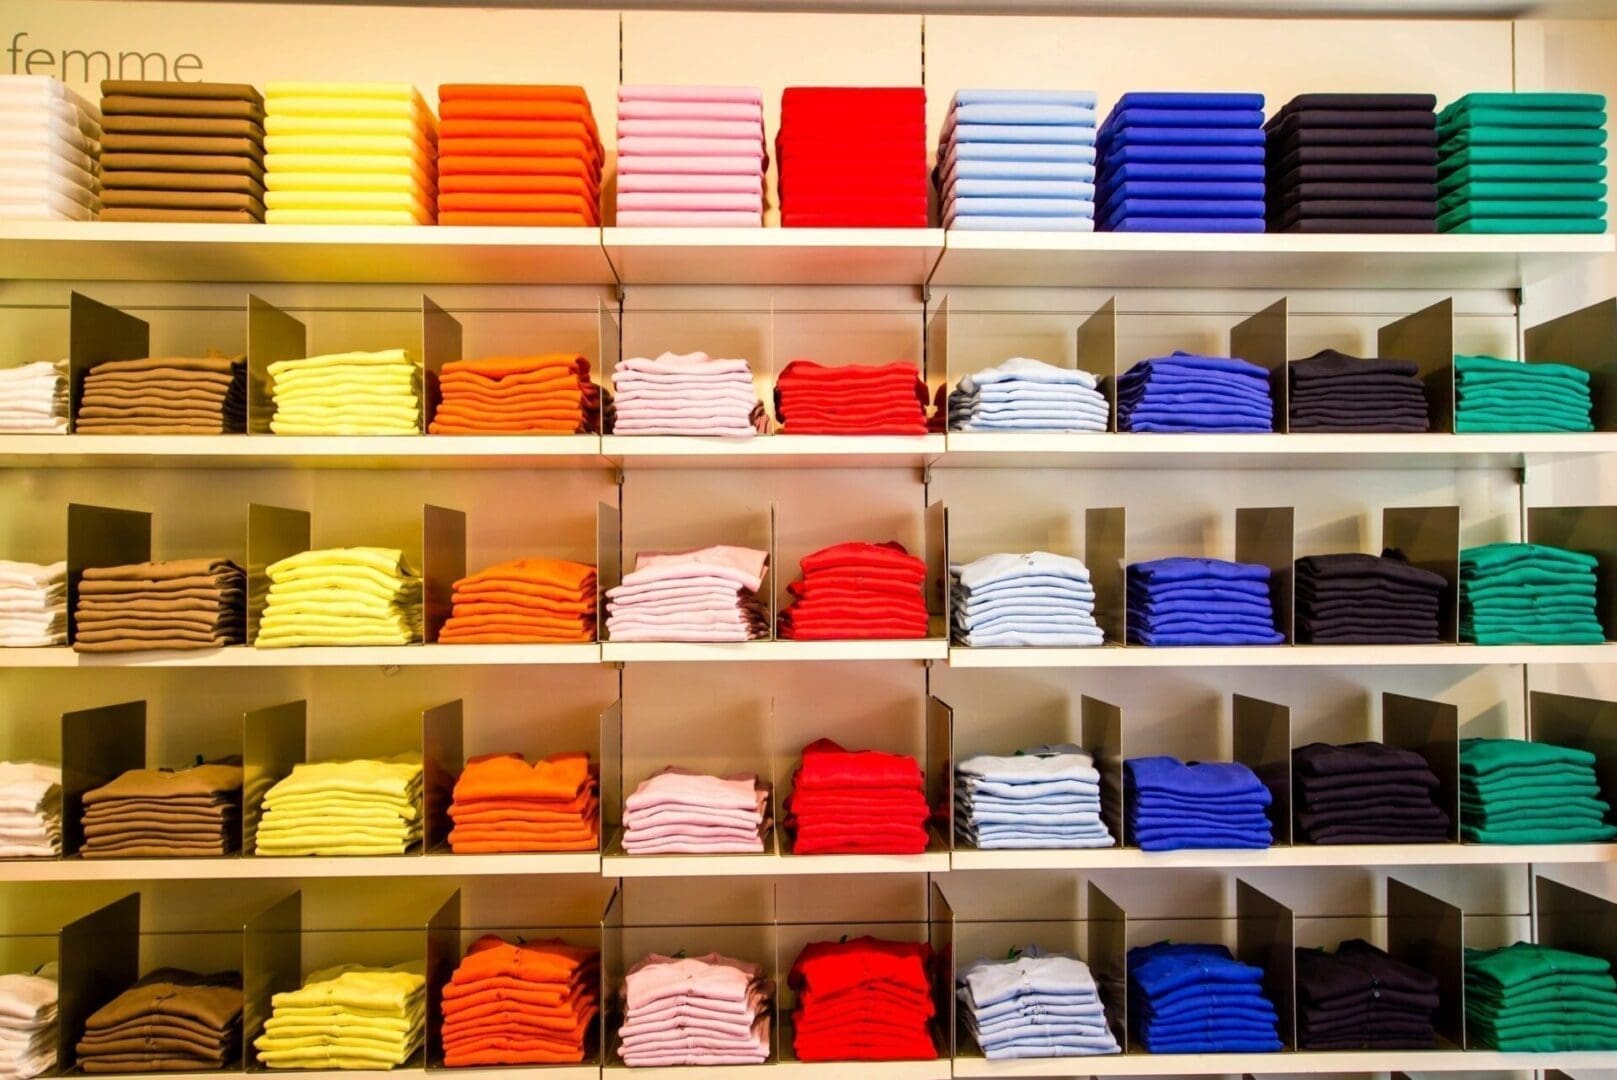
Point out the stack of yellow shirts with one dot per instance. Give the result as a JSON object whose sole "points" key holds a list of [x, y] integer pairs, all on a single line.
{"points": [[355, 393], [341, 596], [347, 1017], [370, 807], [349, 154]]}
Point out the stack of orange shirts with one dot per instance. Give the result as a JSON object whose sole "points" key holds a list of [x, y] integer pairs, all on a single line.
{"points": [[517, 155], [527, 1004], [501, 803], [533, 395], [523, 602]]}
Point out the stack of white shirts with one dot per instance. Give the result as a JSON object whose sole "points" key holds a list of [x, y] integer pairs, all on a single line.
{"points": [[33, 604], [1028, 395], [709, 594], [1036, 598], [30, 810], [28, 1023], [33, 398], [50, 151], [686, 394], [691, 156]]}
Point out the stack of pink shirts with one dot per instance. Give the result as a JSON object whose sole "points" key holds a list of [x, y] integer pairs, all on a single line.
{"points": [[689, 394], [679, 812], [700, 1010], [691, 155], [707, 594]]}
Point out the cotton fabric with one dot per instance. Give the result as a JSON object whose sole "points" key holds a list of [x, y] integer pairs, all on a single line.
{"points": [[1023, 394], [1539, 131], [528, 601], [502, 803], [164, 396], [1517, 792], [1034, 1005], [1036, 598], [1360, 998], [341, 596], [1345, 131], [159, 813], [1494, 395], [1183, 127], [1528, 998], [521, 1003], [1002, 189], [697, 1011], [33, 398], [1187, 998], [1184, 392], [864, 999], [140, 115], [50, 145], [28, 1023], [171, 1020], [688, 160], [857, 590], [680, 812], [1528, 594], [851, 399], [1170, 805], [176, 604], [1197, 601], [550, 394], [350, 1016], [1365, 793], [1040, 797], [686, 394], [1355, 599], [33, 604], [30, 819], [704, 594], [852, 157], [855, 802], [490, 132], [354, 393], [1332, 391], [362, 807]]}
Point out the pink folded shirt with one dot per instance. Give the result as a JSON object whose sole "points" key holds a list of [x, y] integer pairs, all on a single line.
{"points": [[730, 148], [711, 977], [743, 565], [694, 219], [669, 128], [689, 110], [751, 184], [665, 164], [664, 92], [739, 791], [675, 588], [715, 1010], [690, 200], [692, 363]]}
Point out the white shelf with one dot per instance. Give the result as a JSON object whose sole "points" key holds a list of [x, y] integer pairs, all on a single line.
{"points": [[941, 1069], [1204, 656], [679, 1072], [773, 256], [772, 651], [1332, 855], [303, 451], [244, 656], [773, 862], [773, 451], [267, 868], [1308, 1061]]}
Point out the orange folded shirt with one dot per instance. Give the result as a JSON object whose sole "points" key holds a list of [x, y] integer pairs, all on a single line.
{"points": [[547, 201], [514, 107], [520, 1003], [583, 187], [517, 602], [554, 1000], [558, 777], [539, 572], [512, 91], [501, 634], [564, 164], [480, 127]]}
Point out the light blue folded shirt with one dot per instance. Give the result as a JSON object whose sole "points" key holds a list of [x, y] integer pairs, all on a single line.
{"points": [[1024, 639], [1074, 171], [1064, 134], [1081, 98], [1017, 189], [1014, 787], [1023, 207], [998, 223], [1038, 114], [1068, 152], [1060, 425]]}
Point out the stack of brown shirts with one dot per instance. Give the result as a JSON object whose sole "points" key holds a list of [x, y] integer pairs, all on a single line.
{"points": [[165, 395], [161, 814], [169, 1021], [179, 604], [182, 151]]}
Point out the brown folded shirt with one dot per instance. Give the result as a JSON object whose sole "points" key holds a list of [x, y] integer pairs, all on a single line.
{"points": [[205, 217], [184, 144], [216, 91], [91, 586], [157, 849], [181, 200], [101, 607], [178, 1027], [219, 365], [164, 570], [116, 641], [211, 597], [130, 104], [183, 125], [213, 1000], [181, 181], [213, 778], [223, 164], [214, 398]]}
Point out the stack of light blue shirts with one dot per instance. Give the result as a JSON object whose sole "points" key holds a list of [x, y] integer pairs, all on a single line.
{"points": [[1185, 392], [1034, 1005], [1181, 162], [1171, 806], [1195, 601], [1032, 599], [1198, 999], [1018, 159], [1028, 395], [1042, 797]]}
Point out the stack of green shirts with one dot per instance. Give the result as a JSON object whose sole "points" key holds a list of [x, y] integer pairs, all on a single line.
{"points": [[347, 1017], [1507, 395], [1532, 999], [1522, 163], [341, 596], [1518, 792], [1528, 594], [366, 807]]}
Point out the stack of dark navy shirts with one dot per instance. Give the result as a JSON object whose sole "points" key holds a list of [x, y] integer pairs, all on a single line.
{"points": [[1359, 998], [1186, 998], [1356, 599], [1189, 393], [1170, 806], [1334, 392], [1354, 163], [1365, 793], [1195, 601]]}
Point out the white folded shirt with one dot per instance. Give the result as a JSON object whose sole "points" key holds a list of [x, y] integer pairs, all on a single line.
{"points": [[62, 111], [23, 154], [47, 189], [49, 165], [44, 88], [43, 205]]}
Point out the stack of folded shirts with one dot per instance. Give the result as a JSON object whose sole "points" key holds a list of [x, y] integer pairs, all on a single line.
{"points": [[1042, 797], [356, 393], [517, 155], [524, 601], [1354, 599], [1011, 184], [367, 807], [30, 811], [28, 1023], [1359, 998], [1028, 395], [677, 811], [159, 814], [178, 604], [1365, 793], [1528, 594], [705, 594], [341, 596], [347, 1017], [33, 604], [531, 395], [863, 1000], [349, 154], [1506, 395], [857, 802], [1200, 136], [1032, 599], [698, 1011], [1527, 998], [502, 803], [1518, 792], [33, 398], [1194, 601], [1522, 163], [168, 395], [1186, 392], [219, 127], [852, 399], [689, 394], [532, 1003], [1172, 806], [170, 1021], [1187, 998], [858, 590], [1034, 1005], [1353, 163], [1334, 392], [852, 157], [691, 155], [50, 143]]}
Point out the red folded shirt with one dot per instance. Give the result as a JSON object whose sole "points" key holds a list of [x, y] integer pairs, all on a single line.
{"points": [[857, 553], [863, 1000]]}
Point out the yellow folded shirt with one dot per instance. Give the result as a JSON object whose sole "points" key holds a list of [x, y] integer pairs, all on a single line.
{"points": [[350, 164], [316, 580], [344, 217], [364, 986], [299, 427], [380, 357], [293, 124], [402, 146], [339, 108], [301, 88], [271, 640], [354, 372], [412, 182], [410, 202], [384, 559]]}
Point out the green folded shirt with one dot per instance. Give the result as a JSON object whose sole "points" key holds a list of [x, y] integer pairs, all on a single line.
{"points": [[1486, 190], [1536, 174], [1531, 637], [1548, 208], [1526, 227], [1531, 138], [1508, 116], [1519, 155], [1510, 554], [1471, 215], [1526, 99]]}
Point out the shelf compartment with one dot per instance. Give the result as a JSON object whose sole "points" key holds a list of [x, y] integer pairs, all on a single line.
{"points": [[356, 656], [1407, 1062], [652, 256], [1302, 855], [1187, 657], [773, 451]]}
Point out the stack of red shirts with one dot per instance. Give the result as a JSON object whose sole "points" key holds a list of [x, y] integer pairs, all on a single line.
{"points": [[858, 590], [517, 155], [851, 399], [852, 157], [863, 1000], [857, 802]]}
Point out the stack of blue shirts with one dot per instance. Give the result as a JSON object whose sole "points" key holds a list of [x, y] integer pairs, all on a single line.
{"points": [[1198, 999], [1171, 806], [1042, 797], [1032, 599], [1028, 395], [1034, 1006], [1182, 163], [1018, 159], [1195, 601], [1185, 392]]}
